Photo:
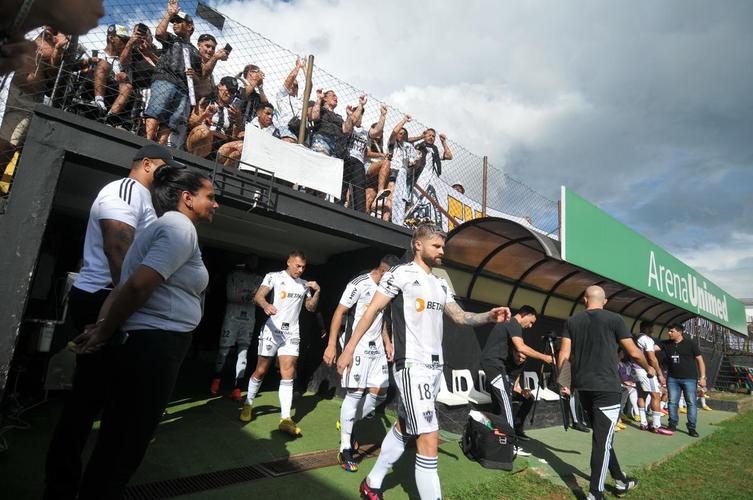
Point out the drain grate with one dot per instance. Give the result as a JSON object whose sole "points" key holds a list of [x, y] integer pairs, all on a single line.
{"points": [[194, 484], [220, 479]]}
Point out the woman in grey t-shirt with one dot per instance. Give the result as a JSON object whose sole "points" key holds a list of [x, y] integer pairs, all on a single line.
{"points": [[148, 320]]}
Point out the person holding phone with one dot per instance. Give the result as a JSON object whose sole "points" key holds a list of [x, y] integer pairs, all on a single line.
{"points": [[139, 57], [214, 121]]}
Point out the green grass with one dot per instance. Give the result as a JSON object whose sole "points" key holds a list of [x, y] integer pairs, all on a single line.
{"points": [[525, 484], [719, 466]]}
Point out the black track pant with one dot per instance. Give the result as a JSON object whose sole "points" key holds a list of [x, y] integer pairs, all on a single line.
{"points": [[81, 406], [602, 410], [522, 407], [354, 175], [502, 393], [142, 377]]}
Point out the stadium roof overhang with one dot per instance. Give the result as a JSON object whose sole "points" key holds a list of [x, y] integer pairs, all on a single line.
{"points": [[499, 261]]}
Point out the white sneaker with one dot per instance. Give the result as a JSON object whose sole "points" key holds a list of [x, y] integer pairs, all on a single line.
{"points": [[521, 452]]}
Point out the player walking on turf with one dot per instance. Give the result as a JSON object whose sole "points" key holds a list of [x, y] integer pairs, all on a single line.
{"points": [[418, 300], [280, 335], [367, 381]]}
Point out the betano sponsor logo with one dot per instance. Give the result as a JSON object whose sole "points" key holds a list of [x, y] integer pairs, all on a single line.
{"points": [[290, 295], [687, 290], [422, 304]]}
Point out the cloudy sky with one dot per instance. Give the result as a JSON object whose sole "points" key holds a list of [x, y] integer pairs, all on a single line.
{"points": [[643, 107]]}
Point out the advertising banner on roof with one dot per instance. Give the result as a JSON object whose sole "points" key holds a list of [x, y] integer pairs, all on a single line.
{"points": [[596, 241]]}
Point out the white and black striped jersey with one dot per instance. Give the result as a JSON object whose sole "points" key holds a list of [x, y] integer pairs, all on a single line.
{"points": [[288, 294], [418, 302], [125, 200], [357, 297]]}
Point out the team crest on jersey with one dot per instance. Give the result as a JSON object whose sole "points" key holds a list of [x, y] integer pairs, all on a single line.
{"points": [[428, 415], [356, 377], [285, 326], [268, 347]]}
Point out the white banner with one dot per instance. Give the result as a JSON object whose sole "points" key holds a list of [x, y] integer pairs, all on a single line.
{"points": [[459, 206], [291, 162]]}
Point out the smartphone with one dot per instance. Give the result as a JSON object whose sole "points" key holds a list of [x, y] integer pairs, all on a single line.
{"points": [[95, 53], [228, 48], [236, 103], [141, 30]]}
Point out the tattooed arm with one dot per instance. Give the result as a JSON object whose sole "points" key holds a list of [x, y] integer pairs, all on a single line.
{"points": [[117, 237], [461, 317]]}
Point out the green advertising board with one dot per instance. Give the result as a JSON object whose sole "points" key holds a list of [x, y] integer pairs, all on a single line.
{"points": [[596, 241]]}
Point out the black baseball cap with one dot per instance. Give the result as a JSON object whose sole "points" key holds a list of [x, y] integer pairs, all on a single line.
{"points": [[180, 17], [230, 83], [157, 152]]}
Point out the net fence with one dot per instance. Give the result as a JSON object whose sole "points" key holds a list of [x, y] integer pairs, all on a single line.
{"points": [[128, 69]]}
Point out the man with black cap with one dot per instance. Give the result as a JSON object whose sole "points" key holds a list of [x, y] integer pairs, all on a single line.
{"points": [[122, 208], [169, 103]]}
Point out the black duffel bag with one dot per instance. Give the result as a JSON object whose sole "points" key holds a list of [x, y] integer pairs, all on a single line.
{"points": [[492, 448]]}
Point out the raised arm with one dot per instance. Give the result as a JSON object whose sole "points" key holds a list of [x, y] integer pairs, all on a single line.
{"points": [[161, 32], [461, 317], [399, 125], [290, 79], [378, 129], [446, 147], [117, 237], [126, 55], [315, 111], [354, 116], [208, 67]]}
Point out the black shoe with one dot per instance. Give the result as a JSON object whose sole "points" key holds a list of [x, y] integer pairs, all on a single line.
{"points": [[622, 487], [580, 427], [672, 427], [693, 433], [522, 436]]}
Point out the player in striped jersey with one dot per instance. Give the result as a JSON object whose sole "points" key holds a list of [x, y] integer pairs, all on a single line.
{"points": [[371, 356], [419, 300]]}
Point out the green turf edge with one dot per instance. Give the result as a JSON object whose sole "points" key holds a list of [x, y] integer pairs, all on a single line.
{"points": [[719, 466]]}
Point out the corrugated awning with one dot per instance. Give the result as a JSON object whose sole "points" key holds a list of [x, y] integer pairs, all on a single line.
{"points": [[499, 261]]}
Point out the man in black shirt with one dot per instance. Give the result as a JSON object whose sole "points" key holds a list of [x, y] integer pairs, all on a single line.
{"points": [[497, 357], [172, 83], [590, 341], [331, 132], [684, 362]]}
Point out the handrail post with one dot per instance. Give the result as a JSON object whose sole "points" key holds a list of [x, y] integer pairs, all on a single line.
{"points": [[306, 96]]}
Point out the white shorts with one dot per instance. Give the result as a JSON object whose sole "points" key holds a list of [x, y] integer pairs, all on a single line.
{"points": [[276, 342], [645, 383], [369, 369], [418, 387], [236, 329]]}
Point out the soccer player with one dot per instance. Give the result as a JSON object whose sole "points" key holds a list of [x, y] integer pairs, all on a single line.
{"points": [[649, 386], [591, 339], [419, 299], [367, 381], [280, 335], [238, 325]]}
